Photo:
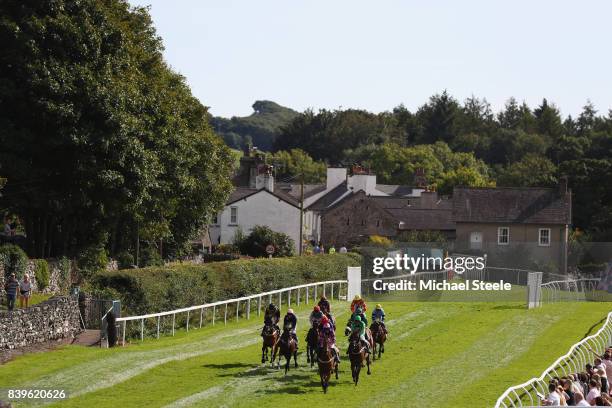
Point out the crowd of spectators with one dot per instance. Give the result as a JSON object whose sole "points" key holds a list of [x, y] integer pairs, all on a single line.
{"points": [[589, 388]]}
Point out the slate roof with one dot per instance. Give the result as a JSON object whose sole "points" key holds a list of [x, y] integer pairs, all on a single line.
{"points": [[243, 192], [335, 194], [512, 205], [409, 211], [294, 189], [394, 189]]}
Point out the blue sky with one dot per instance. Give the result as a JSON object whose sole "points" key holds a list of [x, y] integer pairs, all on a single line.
{"points": [[377, 54]]}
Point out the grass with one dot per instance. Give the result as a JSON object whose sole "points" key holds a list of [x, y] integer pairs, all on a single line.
{"points": [[439, 354], [35, 298]]}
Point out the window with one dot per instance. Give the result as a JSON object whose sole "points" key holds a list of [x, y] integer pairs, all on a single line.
{"points": [[215, 220], [476, 240], [362, 222], [378, 223], [348, 221], [233, 215], [544, 237], [503, 236]]}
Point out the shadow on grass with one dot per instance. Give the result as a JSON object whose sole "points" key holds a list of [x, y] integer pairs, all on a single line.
{"points": [[509, 307]]}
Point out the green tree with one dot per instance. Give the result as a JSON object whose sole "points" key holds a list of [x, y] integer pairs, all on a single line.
{"points": [[100, 137], [260, 237], [531, 171]]}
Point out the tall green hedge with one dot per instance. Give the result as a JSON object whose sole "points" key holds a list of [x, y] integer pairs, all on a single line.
{"points": [[155, 289]]}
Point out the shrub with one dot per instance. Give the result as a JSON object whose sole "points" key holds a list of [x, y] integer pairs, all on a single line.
{"points": [[41, 272], [125, 260], [13, 259], [260, 237], [92, 260], [65, 267], [150, 257], [155, 289], [380, 241], [206, 258]]}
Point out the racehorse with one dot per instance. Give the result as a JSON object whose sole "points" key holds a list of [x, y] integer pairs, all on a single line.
{"points": [[327, 366], [312, 339], [379, 336], [288, 348], [357, 354], [270, 341]]}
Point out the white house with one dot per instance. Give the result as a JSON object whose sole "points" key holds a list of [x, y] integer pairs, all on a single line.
{"points": [[248, 207]]}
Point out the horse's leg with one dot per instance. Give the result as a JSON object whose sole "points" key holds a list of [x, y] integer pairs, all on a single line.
{"points": [[295, 358], [368, 363], [336, 370], [380, 349], [374, 350], [288, 360]]}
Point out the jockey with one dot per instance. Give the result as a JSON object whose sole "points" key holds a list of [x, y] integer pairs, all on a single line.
{"points": [[327, 337], [358, 312], [315, 317], [358, 302], [271, 317], [359, 326], [290, 322], [324, 305], [378, 314]]}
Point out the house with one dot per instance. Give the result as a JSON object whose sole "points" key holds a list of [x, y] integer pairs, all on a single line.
{"points": [[359, 216], [341, 185], [256, 201], [533, 222]]}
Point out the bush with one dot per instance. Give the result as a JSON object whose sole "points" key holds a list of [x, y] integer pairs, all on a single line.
{"points": [[149, 290], [14, 260], [41, 273], [150, 257], [125, 260], [92, 260], [260, 237], [206, 258], [65, 267]]}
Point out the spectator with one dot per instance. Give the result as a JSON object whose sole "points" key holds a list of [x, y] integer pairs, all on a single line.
{"points": [[554, 398], [343, 250], [579, 400], [593, 391], [7, 227], [567, 389], [25, 290], [316, 249], [332, 250], [11, 291]]}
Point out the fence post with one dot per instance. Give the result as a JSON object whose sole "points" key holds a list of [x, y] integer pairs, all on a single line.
{"points": [[248, 308], [298, 296], [142, 330], [280, 299], [259, 306], [323, 289], [315, 293], [158, 322], [307, 292], [534, 290], [173, 322], [237, 309], [201, 315], [214, 313], [124, 327], [289, 298], [225, 318], [331, 296], [188, 320]]}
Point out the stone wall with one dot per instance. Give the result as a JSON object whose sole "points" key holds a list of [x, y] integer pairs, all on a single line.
{"points": [[53, 319]]}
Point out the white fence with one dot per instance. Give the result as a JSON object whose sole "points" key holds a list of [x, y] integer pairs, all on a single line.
{"points": [[526, 394], [301, 293], [570, 290]]}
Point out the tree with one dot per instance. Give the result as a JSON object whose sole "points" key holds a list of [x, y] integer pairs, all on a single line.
{"points": [[439, 119], [531, 171], [260, 237], [100, 137], [295, 163]]}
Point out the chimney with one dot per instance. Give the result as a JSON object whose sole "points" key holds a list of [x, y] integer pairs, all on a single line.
{"points": [[265, 177], [335, 177], [429, 199], [563, 186]]}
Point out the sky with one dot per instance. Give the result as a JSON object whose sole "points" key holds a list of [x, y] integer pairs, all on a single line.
{"points": [[375, 55]]}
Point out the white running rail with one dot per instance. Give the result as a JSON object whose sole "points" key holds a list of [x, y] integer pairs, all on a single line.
{"points": [[526, 394], [326, 288]]}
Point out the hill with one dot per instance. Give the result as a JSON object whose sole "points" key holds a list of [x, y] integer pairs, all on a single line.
{"points": [[439, 354], [260, 128]]}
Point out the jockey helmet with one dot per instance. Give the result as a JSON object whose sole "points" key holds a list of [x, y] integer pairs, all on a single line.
{"points": [[290, 311], [357, 297], [271, 306], [317, 308], [357, 318], [379, 306], [323, 297]]}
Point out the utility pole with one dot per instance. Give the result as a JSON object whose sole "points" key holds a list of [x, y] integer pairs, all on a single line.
{"points": [[301, 243]]}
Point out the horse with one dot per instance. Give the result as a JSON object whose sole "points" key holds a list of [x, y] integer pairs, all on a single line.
{"points": [[312, 338], [357, 354], [379, 336], [270, 341], [288, 348], [327, 366]]}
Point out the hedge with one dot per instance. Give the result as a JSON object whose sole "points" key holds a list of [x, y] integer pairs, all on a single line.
{"points": [[156, 289]]}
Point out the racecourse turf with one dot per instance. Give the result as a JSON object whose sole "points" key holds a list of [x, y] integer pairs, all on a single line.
{"points": [[439, 354]]}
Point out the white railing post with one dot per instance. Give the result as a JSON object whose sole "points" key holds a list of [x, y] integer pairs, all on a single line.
{"points": [[201, 316], [142, 330], [248, 311], [214, 313], [307, 292], [298, 296], [237, 309], [173, 322], [289, 298], [259, 306], [124, 328], [158, 323], [315, 294], [331, 290], [225, 318], [188, 320], [280, 300]]}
